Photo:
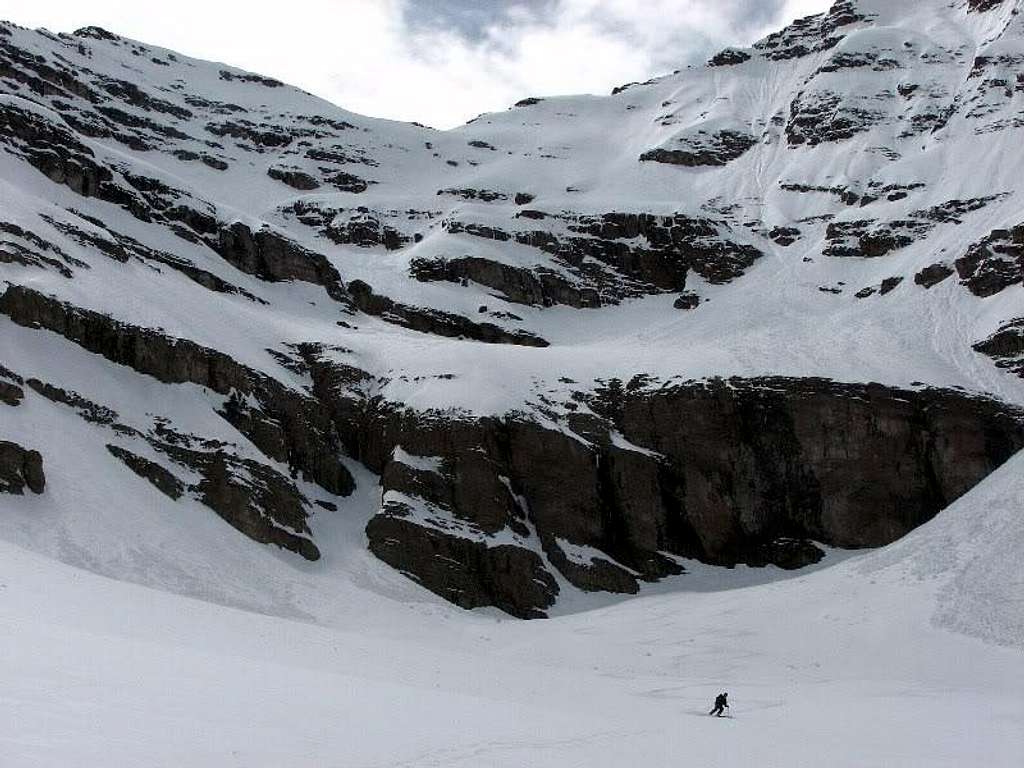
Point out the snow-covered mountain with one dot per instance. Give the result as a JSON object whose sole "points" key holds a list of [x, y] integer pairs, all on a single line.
{"points": [[746, 313]]}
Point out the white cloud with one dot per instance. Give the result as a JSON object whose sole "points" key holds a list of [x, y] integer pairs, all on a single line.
{"points": [[380, 58]]}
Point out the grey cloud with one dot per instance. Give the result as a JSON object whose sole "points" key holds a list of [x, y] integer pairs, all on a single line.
{"points": [[469, 18], [680, 39]]}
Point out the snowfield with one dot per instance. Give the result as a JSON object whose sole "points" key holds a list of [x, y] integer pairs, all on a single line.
{"points": [[906, 656]]}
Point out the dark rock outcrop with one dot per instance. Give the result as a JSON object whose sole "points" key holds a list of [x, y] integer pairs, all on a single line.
{"points": [[702, 149], [271, 256], [88, 410], [1006, 346], [687, 301], [250, 135], [539, 286], [821, 117], [933, 274], [812, 33], [11, 394], [469, 573], [21, 246], [160, 477], [349, 182], [865, 238], [743, 471], [54, 151], [994, 263], [677, 243], [784, 236], [294, 178], [728, 57], [435, 321], [469, 193], [981, 6], [352, 226], [889, 284], [870, 238], [20, 468], [285, 425], [252, 497]]}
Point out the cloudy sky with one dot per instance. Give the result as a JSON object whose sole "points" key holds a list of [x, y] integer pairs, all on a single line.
{"points": [[439, 62]]}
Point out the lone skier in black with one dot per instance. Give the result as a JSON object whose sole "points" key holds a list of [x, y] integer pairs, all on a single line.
{"points": [[721, 704]]}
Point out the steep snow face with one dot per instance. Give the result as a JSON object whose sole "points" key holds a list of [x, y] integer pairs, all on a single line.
{"points": [[180, 239], [850, 134]]}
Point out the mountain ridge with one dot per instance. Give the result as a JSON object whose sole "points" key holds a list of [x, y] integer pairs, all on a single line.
{"points": [[577, 342]]}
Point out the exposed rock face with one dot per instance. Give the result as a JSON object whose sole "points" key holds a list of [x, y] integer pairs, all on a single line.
{"points": [[703, 149], [466, 572], [11, 392], [122, 248], [994, 263], [687, 301], [53, 150], [160, 477], [482, 195], [88, 410], [435, 321], [933, 275], [348, 182], [250, 496], [270, 256], [865, 239], [728, 57], [20, 246], [675, 244], [980, 6], [603, 252], [286, 426], [539, 287], [784, 236], [812, 33], [293, 178], [868, 238], [821, 117], [725, 472], [351, 226], [889, 284], [1006, 346], [20, 468]]}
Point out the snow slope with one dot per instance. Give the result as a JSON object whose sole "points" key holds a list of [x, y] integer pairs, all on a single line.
{"points": [[146, 630], [855, 665], [579, 154]]}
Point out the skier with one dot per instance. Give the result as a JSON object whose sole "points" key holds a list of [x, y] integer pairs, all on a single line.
{"points": [[721, 704]]}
